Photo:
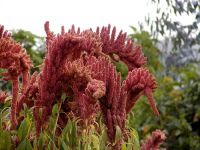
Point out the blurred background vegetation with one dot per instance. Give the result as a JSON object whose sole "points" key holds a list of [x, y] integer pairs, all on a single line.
{"points": [[173, 51]]}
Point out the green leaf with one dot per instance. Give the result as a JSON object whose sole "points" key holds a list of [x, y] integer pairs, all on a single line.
{"points": [[41, 141], [63, 97], [25, 145], [122, 68], [118, 134], [135, 139], [23, 129], [95, 141], [73, 135], [133, 28], [69, 134], [64, 146], [123, 146], [103, 140], [55, 110], [5, 140]]}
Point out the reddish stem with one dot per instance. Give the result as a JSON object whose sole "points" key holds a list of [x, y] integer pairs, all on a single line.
{"points": [[15, 89]]}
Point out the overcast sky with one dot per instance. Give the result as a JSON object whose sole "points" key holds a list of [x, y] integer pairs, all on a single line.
{"points": [[31, 14]]}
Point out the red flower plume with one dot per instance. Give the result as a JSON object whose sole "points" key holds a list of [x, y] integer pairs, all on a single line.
{"points": [[154, 141], [126, 50], [14, 59], [64, 67], [79, 64], [140, 82]]}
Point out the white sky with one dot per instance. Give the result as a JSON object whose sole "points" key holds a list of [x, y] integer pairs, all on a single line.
{"points": [[32, 14]]}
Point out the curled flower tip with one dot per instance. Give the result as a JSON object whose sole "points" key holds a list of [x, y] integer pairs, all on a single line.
{"points": [[1, 30], [96, 89], [140, 82], [3, 96], [62, 30], [154, 141], [72, 30], [46, 27], [48, 32], [149, 95]]}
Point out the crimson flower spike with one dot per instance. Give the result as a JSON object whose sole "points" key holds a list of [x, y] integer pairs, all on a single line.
{"points": [[140, 82], [62, 49], [119, 45], [29, 93], [105, 71]]}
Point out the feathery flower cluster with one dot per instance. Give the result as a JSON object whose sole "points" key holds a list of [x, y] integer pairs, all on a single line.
{"points": [[80, 65], [14, 59], [123, 48], [154, 141], [64, 72], [121, 96]]}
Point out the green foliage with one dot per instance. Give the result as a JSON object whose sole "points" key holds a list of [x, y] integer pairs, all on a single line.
{"points": [[148, 47], [25, 145], [24, 129], [122, 68], [33, 45], [133, 141], [177, 98], [5, 140], [72, 136]]}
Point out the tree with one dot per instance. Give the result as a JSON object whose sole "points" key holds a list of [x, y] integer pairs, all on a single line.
{"points": [[183, 40]]}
